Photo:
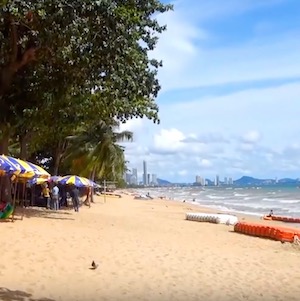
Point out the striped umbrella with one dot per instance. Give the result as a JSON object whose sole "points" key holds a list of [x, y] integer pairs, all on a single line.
{"points": [[28, 170], [37, 181], [55, 178], [39, 171], [75, 180], [7, 167]]}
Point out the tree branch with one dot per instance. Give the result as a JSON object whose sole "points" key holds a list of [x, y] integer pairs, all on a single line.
{"points": [[13, 39]]}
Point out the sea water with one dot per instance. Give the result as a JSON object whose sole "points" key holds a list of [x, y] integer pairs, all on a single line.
{"points": [[257, 201]]}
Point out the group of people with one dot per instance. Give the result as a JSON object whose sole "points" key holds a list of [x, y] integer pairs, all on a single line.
{"points": [[52, 196]]}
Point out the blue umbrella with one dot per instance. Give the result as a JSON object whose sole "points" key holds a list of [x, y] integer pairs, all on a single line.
{"points": [[54, 178], [75, 180], [37, 181], [8, 167]]}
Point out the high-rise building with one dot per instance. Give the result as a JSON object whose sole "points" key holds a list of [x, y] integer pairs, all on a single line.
{"points": [[128, 178], [200, 181], [217, 181], [148, 179], [135, 176], [145, 177], [230, 181], [226, 181], [154, 179]]}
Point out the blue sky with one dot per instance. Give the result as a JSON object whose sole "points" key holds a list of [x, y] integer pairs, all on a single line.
{"points": [[230, 98]]}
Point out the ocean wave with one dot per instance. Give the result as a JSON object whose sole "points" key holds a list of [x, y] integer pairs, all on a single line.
{"points": [[248, 198], [214, 197], [241, 194], [269, 200], [289, 201]]}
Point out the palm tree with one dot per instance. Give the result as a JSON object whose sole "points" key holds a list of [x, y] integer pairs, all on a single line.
{"points": [[95, 152]]}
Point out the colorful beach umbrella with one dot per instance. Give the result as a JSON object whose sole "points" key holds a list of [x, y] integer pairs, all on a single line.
{"points": [[55, 178], [28, 170], [75, 180], [39, 171], [37, 181], [7, 167]]}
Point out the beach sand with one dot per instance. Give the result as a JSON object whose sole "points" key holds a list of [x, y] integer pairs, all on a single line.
{"points": [[146, 250]]}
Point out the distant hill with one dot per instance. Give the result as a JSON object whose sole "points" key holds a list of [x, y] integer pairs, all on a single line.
{"points": [[162, 182], [245, 180], [288, 180]]}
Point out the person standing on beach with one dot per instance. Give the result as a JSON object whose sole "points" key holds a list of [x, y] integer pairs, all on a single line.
{"points": [[75, 198], [87, 201], [55, 197], [46, 195]]}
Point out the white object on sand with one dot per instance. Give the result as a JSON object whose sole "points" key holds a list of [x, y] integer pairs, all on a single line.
{"points": [[212, 218]]}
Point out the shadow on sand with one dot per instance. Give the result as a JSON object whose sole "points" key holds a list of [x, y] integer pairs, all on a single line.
{"points": [[10, 295], [42, 213]]}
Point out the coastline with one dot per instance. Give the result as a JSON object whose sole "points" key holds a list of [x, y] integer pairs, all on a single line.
{"points": [[198, 207], [146, 250]]}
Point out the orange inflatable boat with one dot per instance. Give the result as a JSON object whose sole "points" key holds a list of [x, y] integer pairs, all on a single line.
{"points": [[283, 234], [282, 218]]}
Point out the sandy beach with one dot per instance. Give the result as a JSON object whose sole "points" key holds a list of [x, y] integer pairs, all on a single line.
{"points": [[146, 250]]}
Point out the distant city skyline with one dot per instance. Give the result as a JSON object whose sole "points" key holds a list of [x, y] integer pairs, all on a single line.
{"points": [[148, 179], [200, 179]]}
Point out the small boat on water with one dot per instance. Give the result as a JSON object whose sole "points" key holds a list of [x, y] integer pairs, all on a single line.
{"points": [[280, 218]]}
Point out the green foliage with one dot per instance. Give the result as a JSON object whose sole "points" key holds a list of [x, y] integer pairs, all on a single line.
{"points": [[66, 64], [96, 152]]}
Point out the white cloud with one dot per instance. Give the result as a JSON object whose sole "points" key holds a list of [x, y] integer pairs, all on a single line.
{"points": [[169, 140], [251, 137], [260, 128], [203, 162], [254, 131]]}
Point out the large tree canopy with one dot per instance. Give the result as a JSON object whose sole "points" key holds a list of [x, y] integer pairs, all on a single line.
{"points": [[66, 64]]}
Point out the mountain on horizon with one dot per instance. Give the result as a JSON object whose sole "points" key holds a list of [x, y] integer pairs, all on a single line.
{"points": [[245, 180], [162, 182]]}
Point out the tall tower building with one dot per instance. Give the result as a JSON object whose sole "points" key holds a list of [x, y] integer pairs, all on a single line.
{"points": [[145, 175], [154, 179], [217, 181], [135, 175]]}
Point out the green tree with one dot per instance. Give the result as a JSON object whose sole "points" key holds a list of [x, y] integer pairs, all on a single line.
{"points": [[98, 49], [95, 153]]}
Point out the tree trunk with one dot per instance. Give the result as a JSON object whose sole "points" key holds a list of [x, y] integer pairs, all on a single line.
{"points": [[15, 63], [6, 78], [5, 192], [4, 141], [5, 188], [93, 179], [60, 149], [23, 139], [57, 161]]}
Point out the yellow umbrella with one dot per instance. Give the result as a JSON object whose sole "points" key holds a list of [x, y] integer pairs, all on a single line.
{"points": [[75, 180], [7, 167], [39, 171], [28, 170], [38, 181]]}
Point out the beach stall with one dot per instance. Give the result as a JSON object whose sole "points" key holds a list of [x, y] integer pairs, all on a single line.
{"points": [[76, 181], [25, 171], [7, 169], [85, 185]]}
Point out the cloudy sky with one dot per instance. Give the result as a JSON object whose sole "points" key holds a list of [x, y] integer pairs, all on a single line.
{"points": [[230, 98]]}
